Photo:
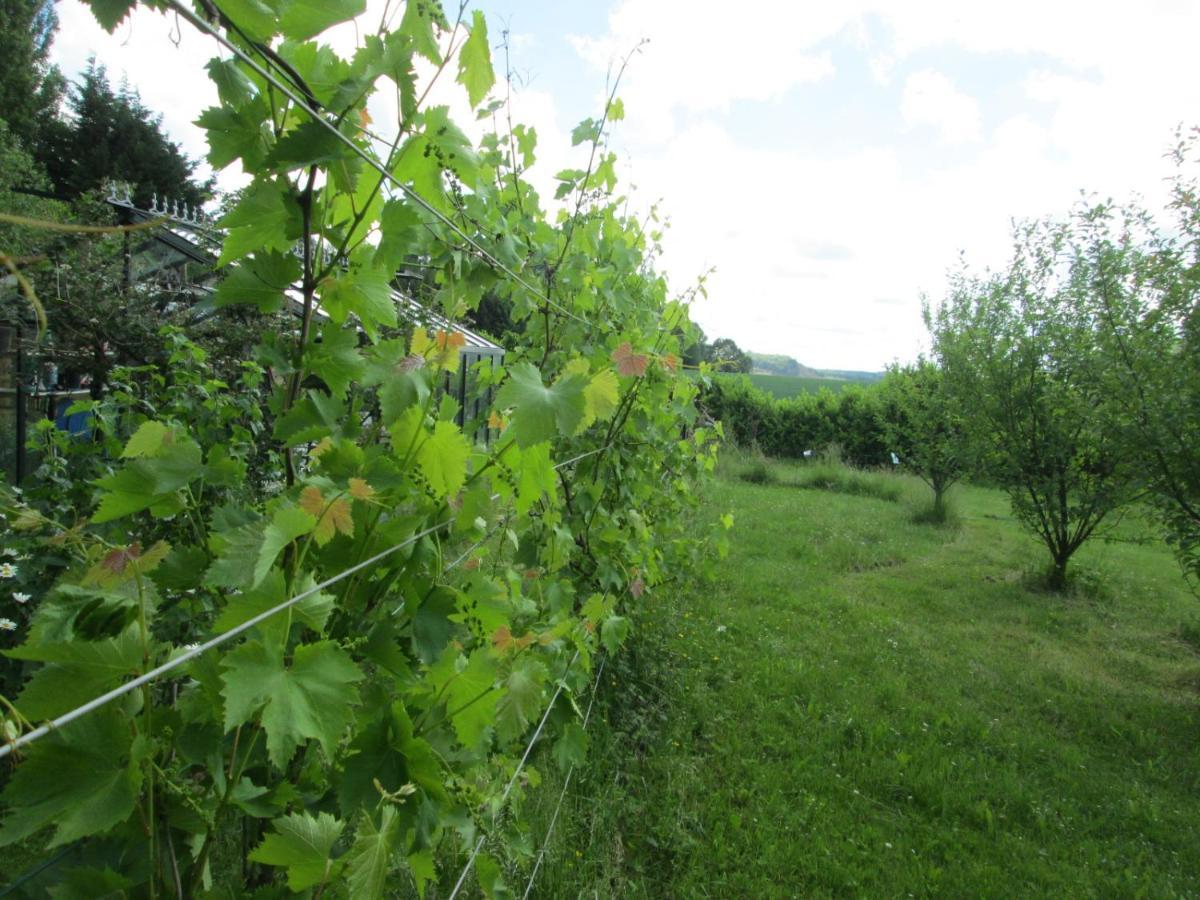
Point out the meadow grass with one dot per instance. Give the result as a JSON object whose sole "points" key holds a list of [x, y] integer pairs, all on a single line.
{"points": [[864, 706]]}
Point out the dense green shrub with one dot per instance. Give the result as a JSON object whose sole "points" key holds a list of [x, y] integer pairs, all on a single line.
{"points": [[808, 422]]}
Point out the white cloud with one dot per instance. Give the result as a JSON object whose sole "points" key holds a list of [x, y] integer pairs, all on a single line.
{"points": [[822, 251], [930, 98]]}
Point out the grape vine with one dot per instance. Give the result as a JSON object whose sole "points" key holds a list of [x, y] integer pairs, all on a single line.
{"points": [[329, 622]]}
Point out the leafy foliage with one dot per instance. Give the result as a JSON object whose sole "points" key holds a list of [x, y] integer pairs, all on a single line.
{"points": [[451, 573]]}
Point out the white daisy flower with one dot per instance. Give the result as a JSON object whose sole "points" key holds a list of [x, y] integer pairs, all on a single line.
{"points": [[20, 598], [8, 625], [8, 551], [8, 570]]}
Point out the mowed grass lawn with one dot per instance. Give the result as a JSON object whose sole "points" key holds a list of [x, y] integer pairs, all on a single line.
{"points": [[862, 706]]}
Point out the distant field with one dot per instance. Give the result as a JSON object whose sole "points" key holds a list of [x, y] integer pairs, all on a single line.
{"points": [[791, 385]]}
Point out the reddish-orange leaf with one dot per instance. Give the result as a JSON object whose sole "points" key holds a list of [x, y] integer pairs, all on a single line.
{"points": [[322, 446], [671, 361], [360, 490], [495, 420], [629, 363], [502, 638], [331, 517], [116, 560]]}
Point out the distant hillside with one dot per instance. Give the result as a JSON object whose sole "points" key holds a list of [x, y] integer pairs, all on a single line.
{"points": [[778, 364]]}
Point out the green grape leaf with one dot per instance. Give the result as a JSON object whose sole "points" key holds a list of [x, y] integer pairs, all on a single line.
{"points": [[288, 523], [452, 145], [312, 611], [259, 281], [424, 871], [471, 699], [303, 844], [586, 131], [111, 13], [613, 633], [526, 144], [443, 459], [475, 62], [75, 672], [399, 225], [83, 778], [364, 291], [308, 144], [600, 397], [236, 133], [148, 440], [418, 25], [314, 416], [254, 17], [335, 358], [571, 747], [537, 477], [143, 482], [303, 19], [370, 857], [540, 412], [314, 698], [267, 217], [522, 699]]}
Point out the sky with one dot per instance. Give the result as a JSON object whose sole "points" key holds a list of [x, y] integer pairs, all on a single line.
{"points": [[830, 162]]}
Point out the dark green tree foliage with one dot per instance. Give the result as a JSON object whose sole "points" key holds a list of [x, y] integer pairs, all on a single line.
{"points": [[1020, 352], [1145, 285], [923, 427], [30, 88], [112, 135], [788, 427]]}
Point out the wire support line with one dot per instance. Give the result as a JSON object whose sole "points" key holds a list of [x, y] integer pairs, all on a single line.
{"points": [[289, 91], [193, 652], [563, 793], [515, 775]]}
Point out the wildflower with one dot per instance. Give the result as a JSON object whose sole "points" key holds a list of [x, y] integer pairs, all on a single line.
{"points": [[8, 551], [721, 629], [8, 570], [8, 625], [20, 598]]}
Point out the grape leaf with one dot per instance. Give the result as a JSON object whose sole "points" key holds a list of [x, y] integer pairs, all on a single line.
{"points": [[364, 291], [537, 478], [475, 62], [571, 747], [418, 25], [471, 698], [302, 843], [75, 672], [630, 363], [522, 700], [259, 281], [303, 19], [144, 482], [443, 459], [267, 217], [335, 359], [256, 18], [148, 440], [287, 524], [83, 778], [111, 13], [314, 698], [600, 397], [333, 515], [540, 412], [370, 857]]}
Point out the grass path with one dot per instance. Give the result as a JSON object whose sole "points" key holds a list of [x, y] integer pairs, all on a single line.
{"points": [[861, 706]]}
